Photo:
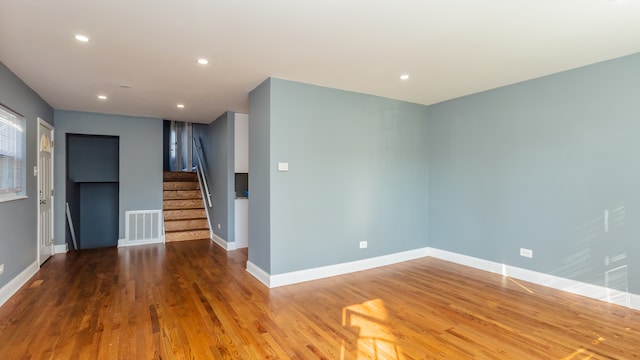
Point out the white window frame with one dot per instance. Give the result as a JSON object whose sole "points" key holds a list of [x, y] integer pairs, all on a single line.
{"points": [[14, 152]]}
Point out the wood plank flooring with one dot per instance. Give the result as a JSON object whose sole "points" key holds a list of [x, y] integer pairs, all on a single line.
{"points": [[191, 300]]}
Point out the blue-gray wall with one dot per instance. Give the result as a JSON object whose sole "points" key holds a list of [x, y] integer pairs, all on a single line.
{"points": [[140, 179], [18, 219], [551, 164], [259, 176], [357, 172], [217, 146]]}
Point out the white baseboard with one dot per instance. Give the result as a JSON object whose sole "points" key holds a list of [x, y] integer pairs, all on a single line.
{"points": [[125, 243], [465, 260], [572, 286], [576, 287], [16, 283], [295, 277], [222, 242], [61, 249], [258, 273]]}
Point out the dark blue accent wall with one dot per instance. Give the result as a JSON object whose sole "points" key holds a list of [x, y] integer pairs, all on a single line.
{"points": [[98, 214], [93, 158], [92, 192]]}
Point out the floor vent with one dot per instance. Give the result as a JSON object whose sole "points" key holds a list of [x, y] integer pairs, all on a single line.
{"points": [[142, 227]]}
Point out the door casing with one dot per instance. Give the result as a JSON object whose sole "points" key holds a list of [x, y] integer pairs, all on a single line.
{"points": [[45, 196]]}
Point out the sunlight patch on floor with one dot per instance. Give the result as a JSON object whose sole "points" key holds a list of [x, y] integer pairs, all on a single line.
{"points": [[522, 286], [582, 353], [375, 337]]}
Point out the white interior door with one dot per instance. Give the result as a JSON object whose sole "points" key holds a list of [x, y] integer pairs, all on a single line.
{"points": [[45, 191]]}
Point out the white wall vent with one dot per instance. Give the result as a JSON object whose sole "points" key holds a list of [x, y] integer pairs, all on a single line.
{"points": [[142, 227]]}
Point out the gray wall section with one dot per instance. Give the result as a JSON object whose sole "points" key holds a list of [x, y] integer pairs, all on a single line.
{"points": [[217, 145], [259, 176], [551, 165], [140, 160], [18, 219], [230, 189], [357, 172]]}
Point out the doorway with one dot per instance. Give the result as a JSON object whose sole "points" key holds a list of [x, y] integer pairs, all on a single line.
{"points": [[180, 146], [45, 191]]}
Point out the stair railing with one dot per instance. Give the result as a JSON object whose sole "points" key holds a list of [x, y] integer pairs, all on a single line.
{"points": [[200, 169]]}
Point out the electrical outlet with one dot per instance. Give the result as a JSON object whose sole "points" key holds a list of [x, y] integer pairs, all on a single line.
{"points": [[218, 226], [363, 244], [1, 268], [283, 166], [526, 252]]}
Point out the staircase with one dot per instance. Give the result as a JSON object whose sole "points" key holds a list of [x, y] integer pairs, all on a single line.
{"points": [[184, 212]]}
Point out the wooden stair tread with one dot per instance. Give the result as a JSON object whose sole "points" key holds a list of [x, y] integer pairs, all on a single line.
{"points": [[186, 235], [184, 214], [180, 185], [184, 224], [182, 204], [181, 194], [179, 176]]}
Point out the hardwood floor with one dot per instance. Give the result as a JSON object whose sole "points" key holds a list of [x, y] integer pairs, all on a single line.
{"points": [[191, 300]]}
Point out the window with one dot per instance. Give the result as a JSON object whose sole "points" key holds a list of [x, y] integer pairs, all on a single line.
{"points": [[12, 161]]}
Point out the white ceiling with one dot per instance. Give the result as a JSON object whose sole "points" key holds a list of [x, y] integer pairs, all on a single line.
{"points": [[450, 48]]}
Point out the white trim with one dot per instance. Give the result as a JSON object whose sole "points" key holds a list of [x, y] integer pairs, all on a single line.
{"points": [[470, 261], [258, 273], [295, 277], [39, 166], [572, 286], [72, 230], [12, 197], [61, 249], [17, 282], [125, 243], [229, 246]]}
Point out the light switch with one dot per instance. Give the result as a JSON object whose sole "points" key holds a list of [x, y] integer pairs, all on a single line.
{"points": [[283, 166], [35, 171]]}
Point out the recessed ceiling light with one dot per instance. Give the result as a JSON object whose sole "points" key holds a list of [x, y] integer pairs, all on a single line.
{"points": [[180, 106], [102, 97], [404, 77], [203, 61], [81, 38]]}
